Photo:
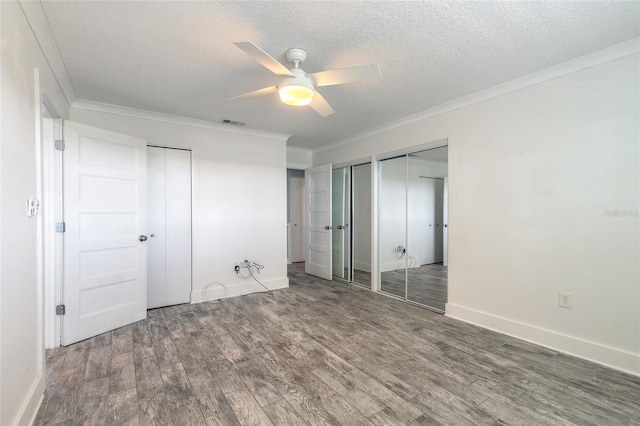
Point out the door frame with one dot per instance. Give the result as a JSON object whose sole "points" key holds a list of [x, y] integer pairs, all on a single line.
{"points": [[302, 219], [50, 195]]}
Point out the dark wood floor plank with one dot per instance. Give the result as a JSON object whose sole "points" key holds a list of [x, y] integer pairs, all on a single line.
{"points": [[282, 414], [343, 412], [175, 382], [212, 402], [447, 408], [400, 408], [185, 412], [122, 340], [122, 409], [92, 404], [154, 411], [123, 374], [148, 379], [349, 392], [258, 380]]}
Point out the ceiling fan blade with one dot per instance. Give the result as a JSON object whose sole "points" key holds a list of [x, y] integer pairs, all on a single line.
{"points": [[321, 105], [346, 75], [264, 58], [260, 92]]}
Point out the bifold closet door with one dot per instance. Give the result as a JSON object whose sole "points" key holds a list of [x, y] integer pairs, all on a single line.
{"points": [[169, 226]]}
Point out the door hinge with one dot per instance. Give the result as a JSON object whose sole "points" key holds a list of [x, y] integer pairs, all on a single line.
{"points": [[60, 227], [59, 144], [60, 309]]}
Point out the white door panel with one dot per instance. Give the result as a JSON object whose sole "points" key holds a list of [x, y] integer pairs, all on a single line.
{"points": [[105, 213], [169, 215], [318, 199], [156, 200]]}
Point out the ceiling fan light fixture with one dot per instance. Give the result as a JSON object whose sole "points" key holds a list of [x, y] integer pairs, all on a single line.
{"points": [[295, 93]]}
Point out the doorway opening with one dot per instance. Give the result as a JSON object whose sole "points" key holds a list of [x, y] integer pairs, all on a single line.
{"points": [[296, 234]]}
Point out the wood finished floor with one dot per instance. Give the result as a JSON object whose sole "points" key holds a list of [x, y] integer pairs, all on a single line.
{"points": [[324, 353]]}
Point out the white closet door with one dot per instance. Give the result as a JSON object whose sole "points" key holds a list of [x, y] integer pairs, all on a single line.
{"points": [[169, 218], [156, 253]]}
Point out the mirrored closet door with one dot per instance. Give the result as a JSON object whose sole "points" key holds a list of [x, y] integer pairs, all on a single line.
{"points": [[340, 222], [351, 224], [411, 227]]}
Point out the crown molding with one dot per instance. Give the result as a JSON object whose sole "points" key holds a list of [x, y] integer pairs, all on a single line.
{"points": [[173, 119], [299, 150], [41, 30], [598, 57]]}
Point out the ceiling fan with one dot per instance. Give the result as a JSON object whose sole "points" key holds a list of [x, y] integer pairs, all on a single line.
{"points": [[298, 88]]}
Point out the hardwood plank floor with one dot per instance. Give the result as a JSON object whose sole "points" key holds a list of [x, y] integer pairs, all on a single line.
{"points": [[322, 352]]}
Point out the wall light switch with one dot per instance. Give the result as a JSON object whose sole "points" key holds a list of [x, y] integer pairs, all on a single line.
{"points": [[32, 206]]}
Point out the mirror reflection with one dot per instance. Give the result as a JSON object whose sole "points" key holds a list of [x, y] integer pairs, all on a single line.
{"points": [[351, 222], [361, 229], [413, 228]]}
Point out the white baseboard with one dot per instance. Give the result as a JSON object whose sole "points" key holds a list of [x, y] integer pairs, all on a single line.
{"points": [[31, 403], [591, 351], [216, 291]]}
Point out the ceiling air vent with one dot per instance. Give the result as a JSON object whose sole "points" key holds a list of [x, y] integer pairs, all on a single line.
{"points": [[233, 122]]}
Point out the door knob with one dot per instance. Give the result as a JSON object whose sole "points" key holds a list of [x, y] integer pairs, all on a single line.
{"points": [[142, 238], [340, 227], [327, 227]]}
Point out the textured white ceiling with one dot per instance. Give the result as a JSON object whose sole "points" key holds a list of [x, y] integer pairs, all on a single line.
{"points": [[178, 57]]}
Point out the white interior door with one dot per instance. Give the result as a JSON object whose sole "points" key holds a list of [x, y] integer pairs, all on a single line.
{"points": [[445, 221], [169, 226], [318, 204], [105, 275]]}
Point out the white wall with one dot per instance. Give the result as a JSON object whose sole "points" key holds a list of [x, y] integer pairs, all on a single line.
{"points": [[239, 198], [21, 338], [533, 176]]}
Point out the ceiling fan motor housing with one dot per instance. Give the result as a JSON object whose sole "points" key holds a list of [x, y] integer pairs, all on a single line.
{"points": [[296, 56]]}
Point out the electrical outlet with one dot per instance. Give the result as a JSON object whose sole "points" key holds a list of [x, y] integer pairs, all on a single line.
{"points": [[564, 300]]}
